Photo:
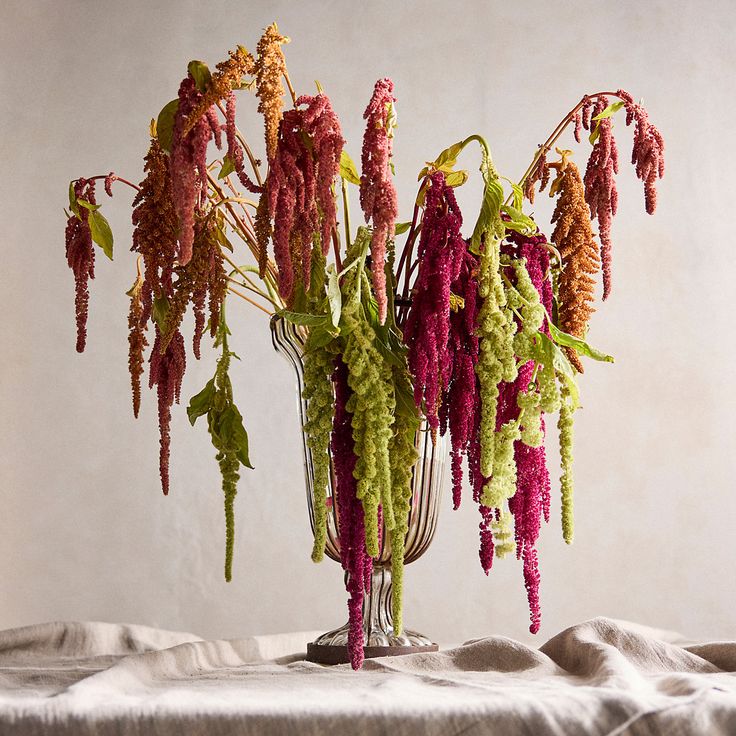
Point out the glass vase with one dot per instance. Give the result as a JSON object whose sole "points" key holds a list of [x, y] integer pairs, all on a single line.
{"points": [[427, 483]]}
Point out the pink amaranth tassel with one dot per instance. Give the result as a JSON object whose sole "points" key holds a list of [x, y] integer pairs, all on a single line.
{"points": [[600, 187], [188, 166], [647, 154], [300, 198], [234, 149], [377, 192]]}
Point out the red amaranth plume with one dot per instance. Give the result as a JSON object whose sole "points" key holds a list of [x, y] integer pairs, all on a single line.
{"points": [[377, 192], [600, 186], [300, 198], [647, 154], [530, 503], [426, 333], [477, 482], [459, 400], [355, 560], [234, 149], [80, 256], [188, 165], [166, 373]]}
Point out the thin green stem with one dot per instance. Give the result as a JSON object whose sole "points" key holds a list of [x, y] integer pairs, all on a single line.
{"points": [[346, 213]]}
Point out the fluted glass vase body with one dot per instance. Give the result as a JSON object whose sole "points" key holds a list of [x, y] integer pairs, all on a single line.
{"points": [[427, 483]]}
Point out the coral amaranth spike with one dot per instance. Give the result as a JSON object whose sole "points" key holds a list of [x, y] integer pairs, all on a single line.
{"points": [[188, 165], [377, 192], [299, 187]]}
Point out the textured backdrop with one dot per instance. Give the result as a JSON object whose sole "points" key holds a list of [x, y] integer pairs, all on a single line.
{"points": [[84, 530]]}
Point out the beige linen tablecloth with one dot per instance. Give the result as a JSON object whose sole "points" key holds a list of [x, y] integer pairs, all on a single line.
{"points": [[599, 677]]}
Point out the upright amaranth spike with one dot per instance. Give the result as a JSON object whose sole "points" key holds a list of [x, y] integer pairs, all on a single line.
{"points": [[377, 192]]}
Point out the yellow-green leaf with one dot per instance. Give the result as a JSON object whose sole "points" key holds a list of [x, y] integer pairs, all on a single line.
{"points": [[456, 178], [348, 170], [610, 111], [200, 73], [165, 124], [100, 229], [160, 311], [227, 167], [593, 137], [577, 344]]}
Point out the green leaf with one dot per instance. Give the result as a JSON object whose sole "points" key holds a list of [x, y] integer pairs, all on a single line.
{"points": [[232, 432], [160, 311], [551, 352], [101, 232], [422, 194], [348, 170], [201, 403], [334, 297], [448, 157], [402, 227], [299, 318], [489, 211], [73, 199], [577, 344], [227, 167], [165, 124], [456, 178], [200, 73], [320, 336], [519, 222], [518, 192], [593, 137], [610, 111], [88, 205]]}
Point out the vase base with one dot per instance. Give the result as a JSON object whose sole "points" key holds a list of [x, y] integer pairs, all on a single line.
{"points": [[338, 654]]}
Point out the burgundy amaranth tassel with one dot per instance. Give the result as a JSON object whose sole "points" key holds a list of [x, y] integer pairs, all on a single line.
{"points": [[355, 560], [80, 256], [166, 373]]}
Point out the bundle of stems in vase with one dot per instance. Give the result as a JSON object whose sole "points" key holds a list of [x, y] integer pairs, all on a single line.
{"points": [[479, 335]]}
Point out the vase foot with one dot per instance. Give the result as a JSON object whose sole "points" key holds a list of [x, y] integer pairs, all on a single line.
{"points": [[337, 654], [332, 647]]}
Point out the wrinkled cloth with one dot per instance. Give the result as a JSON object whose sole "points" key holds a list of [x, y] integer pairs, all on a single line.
{"points": [[598, 677]]}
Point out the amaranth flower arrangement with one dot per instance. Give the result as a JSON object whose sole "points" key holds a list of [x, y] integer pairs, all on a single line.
{"points": [[481, 336]]}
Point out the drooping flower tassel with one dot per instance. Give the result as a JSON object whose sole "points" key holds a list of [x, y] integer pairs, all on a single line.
{"points": [[318, 368], [188, 165], [573, 236], [647, 154], [427, 331], [600, 186], [355, 560], [459, 401], [299, 189], [166, 373], [80, 255]]}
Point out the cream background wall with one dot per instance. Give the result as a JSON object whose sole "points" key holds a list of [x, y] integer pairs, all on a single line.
{"points": [[84, 530]]}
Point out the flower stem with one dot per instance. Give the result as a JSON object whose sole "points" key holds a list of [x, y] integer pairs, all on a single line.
{"points": [[249, 300]]}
